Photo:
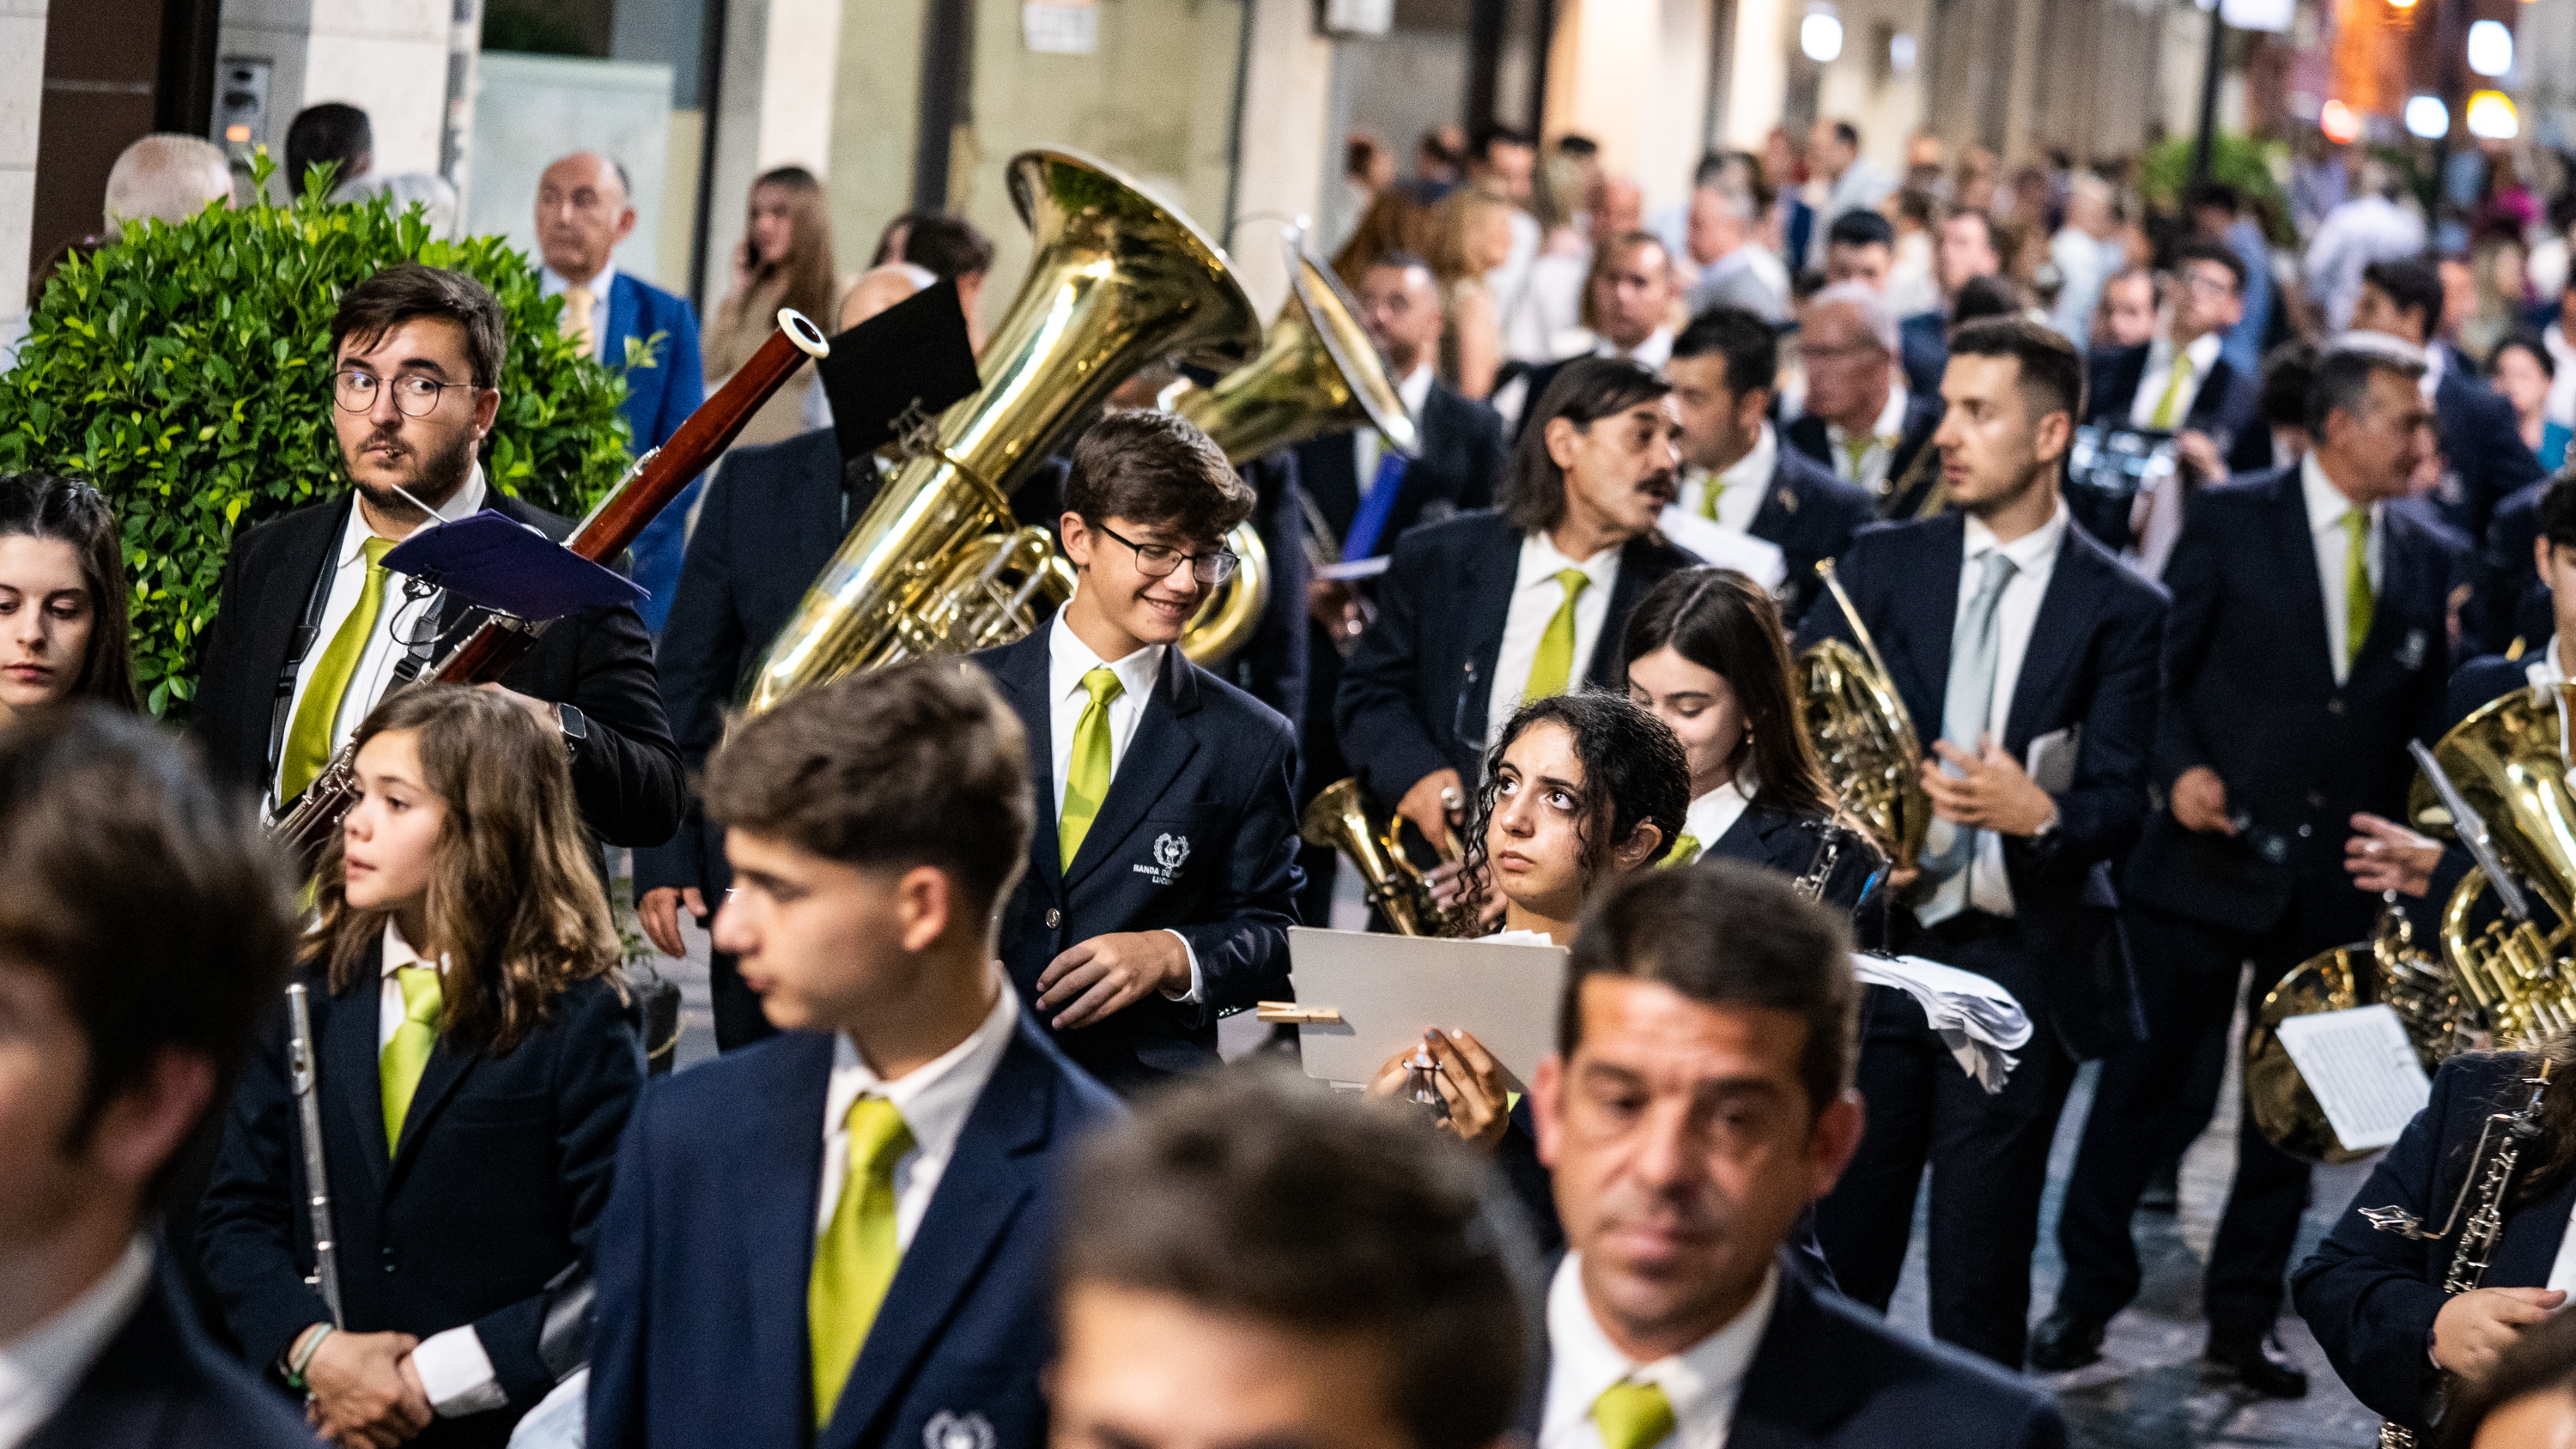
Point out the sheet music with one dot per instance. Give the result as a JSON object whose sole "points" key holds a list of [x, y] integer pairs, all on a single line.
{"points": [[2362, 1070], [1390, 989], [1759, 559]]}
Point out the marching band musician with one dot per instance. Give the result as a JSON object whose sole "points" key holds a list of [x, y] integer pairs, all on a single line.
{"points": [[313, 630], [475, 1059], [2308, 644], [1488, 609], [2035, 694], [2375, 1297], [1163, 895], [1707, 656], [1859, 420], [63, 619]]}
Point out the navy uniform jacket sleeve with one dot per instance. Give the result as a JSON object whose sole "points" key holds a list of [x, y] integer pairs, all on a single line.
{"points": [[1242, 948], [619, 1329], [2101, 811], [247, 1222], [626, 775], [703, 636], [2191, 576], [1377, 714]]}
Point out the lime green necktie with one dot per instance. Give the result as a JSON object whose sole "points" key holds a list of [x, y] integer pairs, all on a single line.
{"points": [[1685, 850], [1709, 490], [398, 1069], [1086, 779], [308, 741], [2171, 403], [1633, 1416], [2357, 601], [855, 1259], [1855, 449], [1552, 668]]}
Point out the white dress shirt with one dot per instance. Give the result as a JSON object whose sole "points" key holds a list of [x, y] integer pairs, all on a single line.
{"points": [[1068, 659], [2548, 669], [401, 620], [1536, 596], [2202, 353], [1885, 434], [2561, 405], [1702, 1382], [2034, 557], [40, 1367], [935, 1101], [1654, 352], [1715, 813], [551, 283], [1741, 485], [1367, 447], [2326, 508]]}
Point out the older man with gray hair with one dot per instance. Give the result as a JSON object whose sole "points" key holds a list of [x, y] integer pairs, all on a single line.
{"points": [[1734, 269], [1860, 419], [167, 178]]}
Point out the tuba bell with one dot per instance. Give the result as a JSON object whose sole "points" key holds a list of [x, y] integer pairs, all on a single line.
{"points": [[1317, 373], [1865, 736], [937, 565]]}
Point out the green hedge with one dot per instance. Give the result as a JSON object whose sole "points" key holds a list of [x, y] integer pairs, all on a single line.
{"points": [[186, 369]]}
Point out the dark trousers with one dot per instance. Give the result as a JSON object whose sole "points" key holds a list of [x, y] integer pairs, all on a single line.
{"points": [[2156, 1097], [1988, 1155]]}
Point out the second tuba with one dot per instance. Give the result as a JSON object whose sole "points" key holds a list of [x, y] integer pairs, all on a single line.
{"points": [[937, 564]]}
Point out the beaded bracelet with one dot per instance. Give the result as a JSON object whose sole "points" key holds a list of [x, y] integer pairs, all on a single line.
{"points": [[304, 1360]]}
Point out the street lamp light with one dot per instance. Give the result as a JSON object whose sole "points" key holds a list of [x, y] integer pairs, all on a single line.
{"points": [[2491, 117], [1820, 35], [2428, 118], [2490, 48]]}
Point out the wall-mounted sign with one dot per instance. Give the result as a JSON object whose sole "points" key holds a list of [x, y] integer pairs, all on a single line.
{"points": [[1060, 27]]}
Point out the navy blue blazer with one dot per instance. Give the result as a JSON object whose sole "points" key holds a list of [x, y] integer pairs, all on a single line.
{"points": [[1906, 487], [1830, 1374], [496, 1187], [661, 391], [157, 1384], [1923, 350], [1198, 835], [773, 517], [1791, 841], [2093, 666], [1811, 515], [1414, 694], [2250, 693], [2371, 1296], [2514, 603], [1460, 463], [2484, 460], [708, 1246], [2223, 407]]}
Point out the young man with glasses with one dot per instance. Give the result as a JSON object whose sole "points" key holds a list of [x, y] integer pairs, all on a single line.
{"points": [[1161, 896], [313, 629]]}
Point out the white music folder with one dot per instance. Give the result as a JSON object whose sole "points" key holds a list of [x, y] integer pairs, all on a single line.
{"points": [[1361, 998]]}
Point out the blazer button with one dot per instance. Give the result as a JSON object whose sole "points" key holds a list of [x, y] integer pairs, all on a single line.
{"points": [[1055, 918], [2334, 706]]}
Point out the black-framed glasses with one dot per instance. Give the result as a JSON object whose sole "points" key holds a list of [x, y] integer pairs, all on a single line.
{"points": [[415, 396], [1156, 561]]}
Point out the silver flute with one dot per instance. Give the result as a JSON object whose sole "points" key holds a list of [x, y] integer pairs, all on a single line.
{"points": [[308, 1130]]}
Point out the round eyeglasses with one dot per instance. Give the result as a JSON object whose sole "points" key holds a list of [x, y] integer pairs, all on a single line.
{"points": [[1156, 561], [415, 396]]}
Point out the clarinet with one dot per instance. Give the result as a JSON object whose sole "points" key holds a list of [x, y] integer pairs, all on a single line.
{"points": [[2491, 1169], [308, 1130]]}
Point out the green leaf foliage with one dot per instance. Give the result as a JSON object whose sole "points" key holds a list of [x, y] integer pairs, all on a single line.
{"points": [[2255, 166], [186, 370]]}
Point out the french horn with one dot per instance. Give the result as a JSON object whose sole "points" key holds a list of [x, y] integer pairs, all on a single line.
{"points": [[1865, 736]]}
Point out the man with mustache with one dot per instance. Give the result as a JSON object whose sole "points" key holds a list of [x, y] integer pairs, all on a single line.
{"points": [[1490, 608], [313, 629], [1700, 1098]]}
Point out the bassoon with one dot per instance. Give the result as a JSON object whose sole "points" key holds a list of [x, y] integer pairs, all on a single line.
{"points": [[306, 824]]}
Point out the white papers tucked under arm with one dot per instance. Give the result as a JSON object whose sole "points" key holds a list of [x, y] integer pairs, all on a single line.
{"points": [[1977, 1019], [1388, 990], [1356, 569], [1761, 560], [2362, 1071]]}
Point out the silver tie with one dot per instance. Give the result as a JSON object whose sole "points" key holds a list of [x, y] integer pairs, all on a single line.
{"points": [[1948, 850]]}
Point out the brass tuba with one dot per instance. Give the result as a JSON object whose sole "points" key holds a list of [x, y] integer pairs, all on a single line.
{"points": [[1864, 735], [1339, 818], [1317, 373], [937, 565]]}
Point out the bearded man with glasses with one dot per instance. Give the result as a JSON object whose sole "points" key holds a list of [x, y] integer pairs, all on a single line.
{"points": [[313, 629], [1162, 878]]}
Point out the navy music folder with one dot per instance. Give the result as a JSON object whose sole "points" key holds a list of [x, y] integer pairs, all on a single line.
{"points": [[493, 560]]}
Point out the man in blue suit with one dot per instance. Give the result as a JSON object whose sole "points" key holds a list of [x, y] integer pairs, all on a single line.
{"points": [[841, 1236], [584, 209], [1162, 897], [2308, 644], [2483, 457]]}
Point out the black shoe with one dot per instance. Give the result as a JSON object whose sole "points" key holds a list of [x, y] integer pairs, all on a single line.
{"points": [[2065, 1341], [2257, 1365]]}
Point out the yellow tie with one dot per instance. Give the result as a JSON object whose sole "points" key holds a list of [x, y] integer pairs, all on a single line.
{"points": [[2171, 403], [398, 1069], [2357, 601], [1685, 850], [855, 1259], [1709, 491], [1553, 667], [579, 304], [308, 741], [1086, 779], [1633, 1416], [1855, 448]]}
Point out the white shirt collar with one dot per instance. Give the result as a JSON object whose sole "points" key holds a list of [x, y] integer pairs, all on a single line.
{"points": [[936, 1098], [551, 283], [1715, 813], [2326, 504], [1415, 390], [1541, 562], [2433, 354], [1068, 659], [399, 953], [2203, 351], [2028, 552], [2546, 669], [1702, 1381], [41, 1367], [1891, 418], [468, 501], [1654, 352]]}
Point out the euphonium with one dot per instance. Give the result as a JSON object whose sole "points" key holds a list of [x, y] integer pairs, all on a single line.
{"points": [[2389, 968], [936, 566], [1865, 736], [1338, 818], [1317, 373]]}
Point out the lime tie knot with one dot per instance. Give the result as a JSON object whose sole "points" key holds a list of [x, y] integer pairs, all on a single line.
{"points": [[1685, 850], [1633, 1416]]}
